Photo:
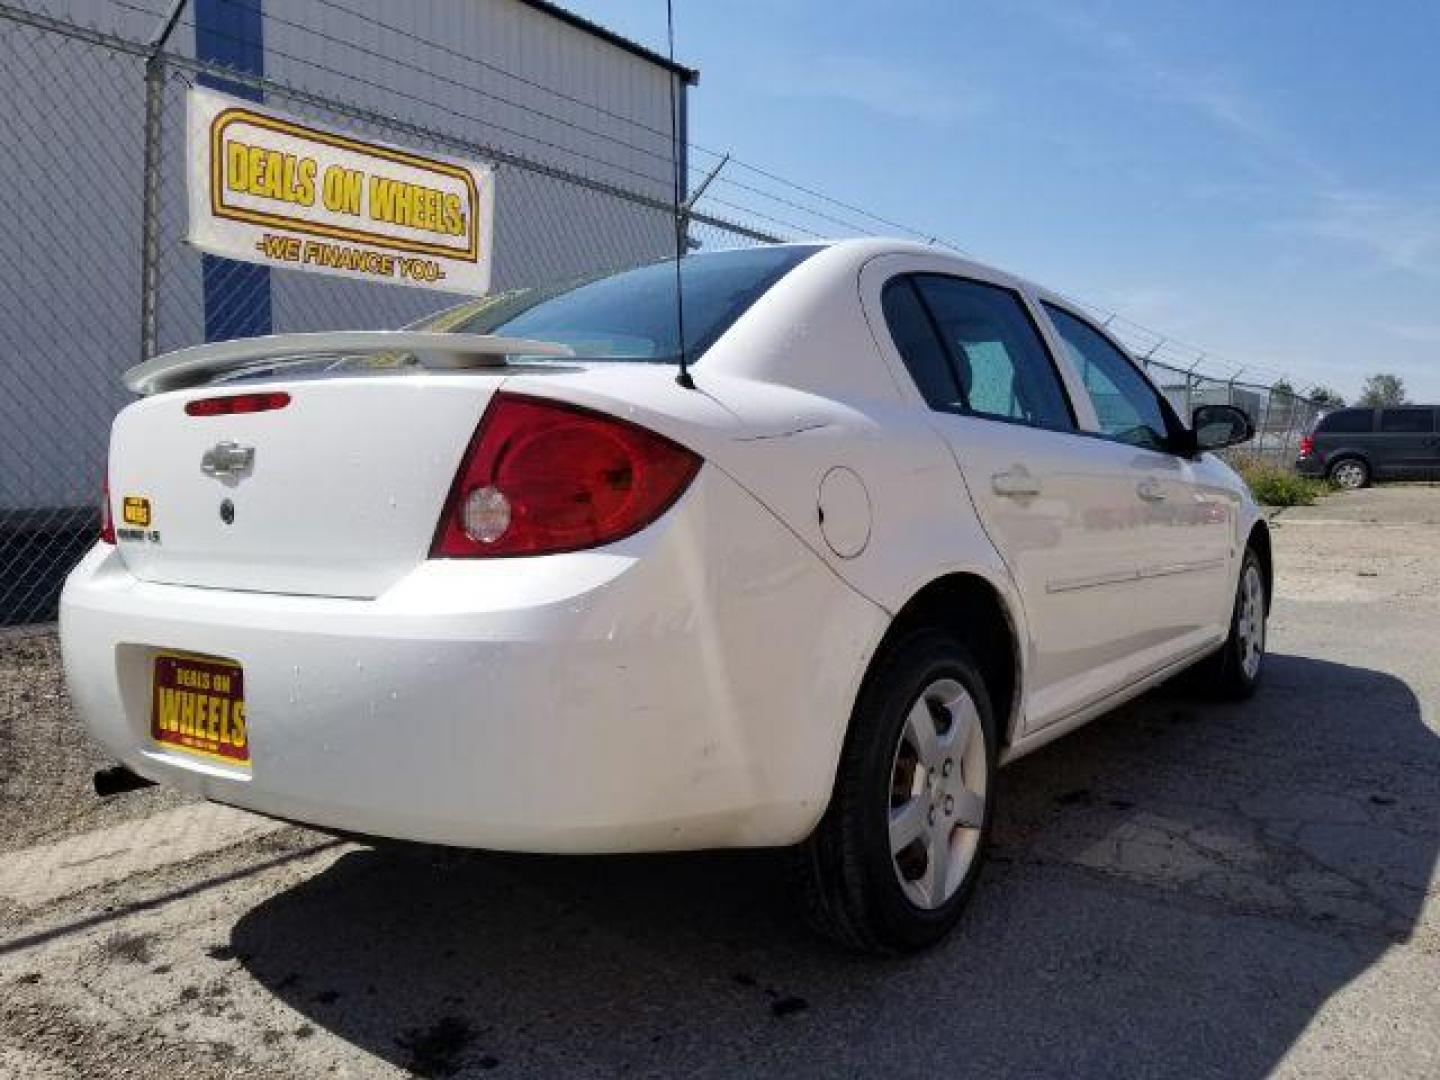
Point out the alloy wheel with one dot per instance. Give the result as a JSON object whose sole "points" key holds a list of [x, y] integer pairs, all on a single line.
{"points": [[939, 781], [1250, 630], [1349, 475]]}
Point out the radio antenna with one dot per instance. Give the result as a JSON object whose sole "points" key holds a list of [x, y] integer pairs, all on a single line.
{"points": [[678, 179]]}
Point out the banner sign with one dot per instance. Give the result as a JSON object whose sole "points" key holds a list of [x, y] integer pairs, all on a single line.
{"points": [[267, 188]]}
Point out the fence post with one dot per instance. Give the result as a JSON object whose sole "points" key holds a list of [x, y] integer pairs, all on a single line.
{"points": [[687, 209], [1284, 401], [1300, 423], [1262, 418], [150, 208], [1299, 413]]}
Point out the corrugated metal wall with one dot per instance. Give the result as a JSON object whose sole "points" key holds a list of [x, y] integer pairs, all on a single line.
{"points": [[71, 167], [517, 79]]}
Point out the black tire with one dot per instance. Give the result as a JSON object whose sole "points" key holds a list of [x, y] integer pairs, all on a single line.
{"points": [[1224, 674], [849, 878], [1346, 467]]}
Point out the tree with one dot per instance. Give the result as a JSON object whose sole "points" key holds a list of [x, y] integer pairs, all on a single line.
{"points": [[1326, 398], [1282, 385], [1382, 390]]}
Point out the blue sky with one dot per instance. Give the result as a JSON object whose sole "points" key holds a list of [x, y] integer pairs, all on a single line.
{"points": [[1259, 179]]}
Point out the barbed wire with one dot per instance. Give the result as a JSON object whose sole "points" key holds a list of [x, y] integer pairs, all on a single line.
{"points": [[1150, 343], [573, 211], [239, 75], [664, 158], [470, 88]]}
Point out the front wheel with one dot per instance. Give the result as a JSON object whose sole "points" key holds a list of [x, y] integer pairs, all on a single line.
{"points": [[896, 856], [1234, 671]]}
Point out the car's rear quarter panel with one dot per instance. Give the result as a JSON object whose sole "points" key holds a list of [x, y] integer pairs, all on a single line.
{"points": [[687, 687]]}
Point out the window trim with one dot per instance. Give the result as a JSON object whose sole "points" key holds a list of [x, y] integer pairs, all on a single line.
{"points": [[1176, 428], [910, 280]]}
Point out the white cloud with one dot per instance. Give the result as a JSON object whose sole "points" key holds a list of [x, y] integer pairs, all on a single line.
{"points": [[1394, 232], [899, 91], [1418, 332]]}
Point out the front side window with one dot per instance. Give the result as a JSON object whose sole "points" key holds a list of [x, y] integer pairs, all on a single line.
{"points": [[1413, 421], [1127, 406], [972, 348]]}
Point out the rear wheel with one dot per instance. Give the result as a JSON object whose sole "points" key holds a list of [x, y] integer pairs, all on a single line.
{"points": [[895, 858], [1350, 473]]}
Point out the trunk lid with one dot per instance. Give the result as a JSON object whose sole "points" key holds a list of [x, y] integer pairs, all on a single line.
{"points": [[341, 497]]}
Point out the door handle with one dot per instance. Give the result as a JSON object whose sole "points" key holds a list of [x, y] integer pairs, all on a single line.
{"points": [[1016, 483], [1150, 489]]}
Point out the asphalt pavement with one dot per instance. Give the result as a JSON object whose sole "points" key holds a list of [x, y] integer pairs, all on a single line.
{"points": [[1181, 889]]}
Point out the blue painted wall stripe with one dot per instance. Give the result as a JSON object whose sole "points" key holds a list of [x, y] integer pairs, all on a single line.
{"points": [[237, 294]]}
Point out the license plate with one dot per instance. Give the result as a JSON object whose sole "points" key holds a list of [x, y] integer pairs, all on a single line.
{"points": [[198, 706]]}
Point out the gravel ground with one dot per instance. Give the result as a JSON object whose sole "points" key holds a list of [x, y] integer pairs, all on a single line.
{"points": [[1180, 889], [46, 761]]}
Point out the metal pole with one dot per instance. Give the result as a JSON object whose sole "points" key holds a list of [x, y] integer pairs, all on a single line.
{"points": [[1290, 414], [686, 210], [1266, 418], [689, 204], [1190, 381], [150, 208]]}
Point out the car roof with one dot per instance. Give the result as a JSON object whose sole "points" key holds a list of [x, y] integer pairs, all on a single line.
{"points": [[789, 334], [857, 251]]}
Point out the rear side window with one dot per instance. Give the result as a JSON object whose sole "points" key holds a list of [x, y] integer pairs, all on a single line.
{"points": [[971, 347], [1347, 420], [1407, 420], [1127, 406]]}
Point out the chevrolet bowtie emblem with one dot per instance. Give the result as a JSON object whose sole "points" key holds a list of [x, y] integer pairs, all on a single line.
{"points": [[227, 459]]}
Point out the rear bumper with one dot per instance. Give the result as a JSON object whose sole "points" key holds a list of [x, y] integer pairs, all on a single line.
{"points": [[632, 698], [1310, 466]]}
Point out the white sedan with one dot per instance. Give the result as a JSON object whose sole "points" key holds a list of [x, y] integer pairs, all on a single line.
{"points": [[505, 581]]}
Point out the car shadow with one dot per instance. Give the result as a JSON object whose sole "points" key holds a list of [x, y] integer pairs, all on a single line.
{"points": [[1174, 891]]}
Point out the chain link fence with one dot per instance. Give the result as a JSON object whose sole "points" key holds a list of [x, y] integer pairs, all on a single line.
{"points": [[94, 192], [1281, 416], [92, 119]]}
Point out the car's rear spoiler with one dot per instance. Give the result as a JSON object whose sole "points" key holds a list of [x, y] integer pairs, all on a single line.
{"points": [[202, 363]]}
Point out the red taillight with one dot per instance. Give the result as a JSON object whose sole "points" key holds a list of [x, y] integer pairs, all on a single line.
{"points": [[1307, 446], [107, 523], [542, 477], [237, 403]]}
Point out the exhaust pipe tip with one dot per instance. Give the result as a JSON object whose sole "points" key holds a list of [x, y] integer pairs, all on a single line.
{"points": [[117, 779]]}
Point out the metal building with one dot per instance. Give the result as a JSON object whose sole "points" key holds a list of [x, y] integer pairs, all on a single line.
{"points": [[525, 76]]}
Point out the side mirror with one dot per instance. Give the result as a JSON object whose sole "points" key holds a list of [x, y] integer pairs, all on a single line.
{"points": [[1219, 426]]}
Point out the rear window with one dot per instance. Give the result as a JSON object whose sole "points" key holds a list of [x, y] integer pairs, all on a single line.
{"points": [[1411, 420], [1347, 420], [632, 315]]}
